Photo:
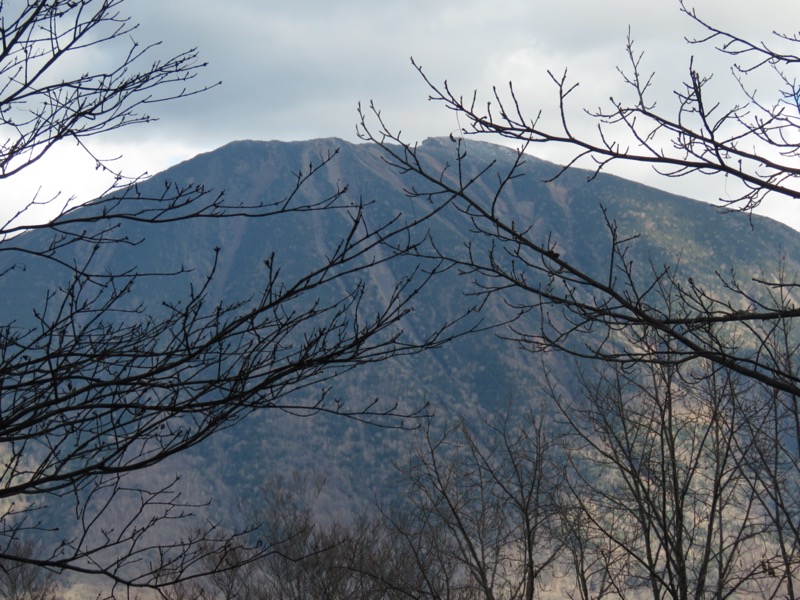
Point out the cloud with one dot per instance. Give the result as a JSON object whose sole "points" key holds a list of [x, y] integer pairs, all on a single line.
{"points": [[297, 70], [294, 69]]}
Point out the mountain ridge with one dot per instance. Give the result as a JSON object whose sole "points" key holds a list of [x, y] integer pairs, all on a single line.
{"points": [[674, 231], [480, 373]]}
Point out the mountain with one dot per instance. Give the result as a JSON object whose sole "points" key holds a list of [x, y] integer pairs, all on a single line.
{"points": [[479, 372]]}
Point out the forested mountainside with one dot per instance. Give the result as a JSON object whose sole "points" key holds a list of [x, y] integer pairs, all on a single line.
{"points": [[478, 373]]}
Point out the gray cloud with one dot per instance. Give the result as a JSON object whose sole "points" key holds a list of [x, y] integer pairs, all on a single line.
{"points": [[297, 70]]}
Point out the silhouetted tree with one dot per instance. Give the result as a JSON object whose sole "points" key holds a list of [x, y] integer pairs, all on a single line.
{"points": [[313, 555], [23, 581], [476, 518], [478, 512], [95, 386], [729, 347], [655, 480], [742, 139]]}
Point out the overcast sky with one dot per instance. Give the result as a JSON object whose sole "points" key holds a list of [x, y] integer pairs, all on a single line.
{"points": [[294, 70]]}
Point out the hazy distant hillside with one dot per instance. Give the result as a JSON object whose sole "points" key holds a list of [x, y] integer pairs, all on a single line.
{"points": [[476, 371]]}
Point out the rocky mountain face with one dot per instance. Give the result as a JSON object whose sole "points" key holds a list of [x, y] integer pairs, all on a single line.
{"points": [[479, 372]]}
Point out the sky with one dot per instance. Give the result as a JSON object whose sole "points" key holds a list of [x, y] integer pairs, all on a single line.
{"points": [[294, 70]]}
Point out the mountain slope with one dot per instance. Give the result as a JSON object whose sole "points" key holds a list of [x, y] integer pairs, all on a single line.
{"points": [[476, 372]]}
